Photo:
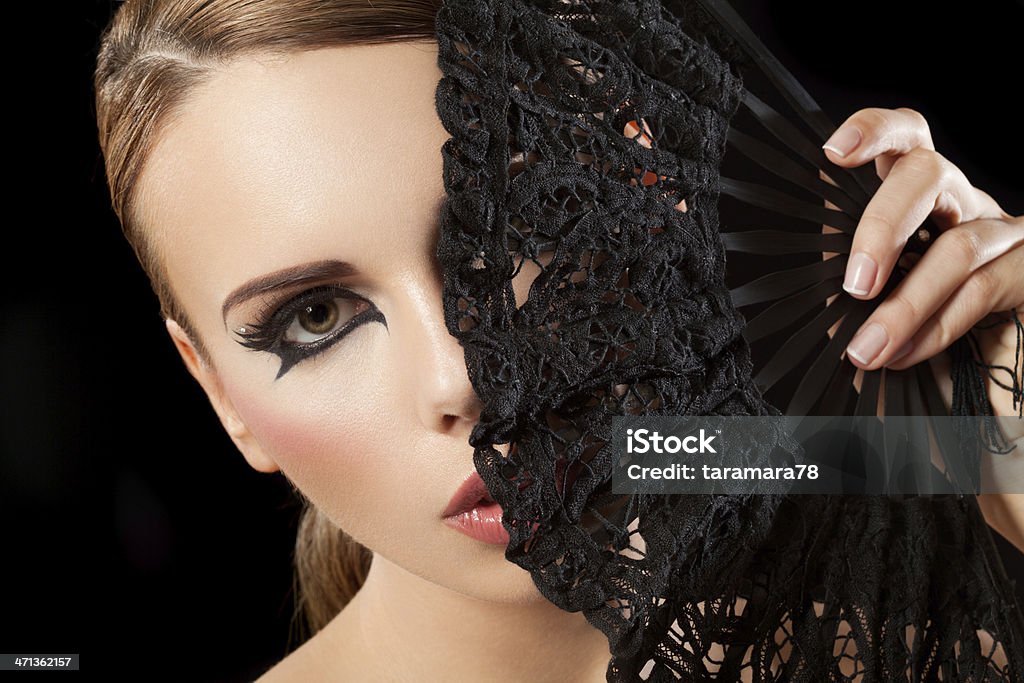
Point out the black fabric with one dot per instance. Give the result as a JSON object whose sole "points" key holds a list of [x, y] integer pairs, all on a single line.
{"points": [[577, 128]]}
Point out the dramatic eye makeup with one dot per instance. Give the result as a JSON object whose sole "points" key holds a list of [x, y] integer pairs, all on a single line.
{"points": [[307, 324]]}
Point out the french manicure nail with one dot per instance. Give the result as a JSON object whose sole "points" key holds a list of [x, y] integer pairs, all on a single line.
{"points": [[868, 343], [860, 274], [843, 141]]}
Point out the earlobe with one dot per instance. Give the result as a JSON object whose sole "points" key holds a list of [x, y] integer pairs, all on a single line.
{"points": [[208, 380]]}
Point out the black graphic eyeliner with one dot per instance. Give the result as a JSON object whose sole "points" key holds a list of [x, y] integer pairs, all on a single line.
{"points": [[267, 334]]}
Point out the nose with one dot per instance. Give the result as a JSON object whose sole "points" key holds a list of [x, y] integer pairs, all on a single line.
{"points": [[435, 365]]}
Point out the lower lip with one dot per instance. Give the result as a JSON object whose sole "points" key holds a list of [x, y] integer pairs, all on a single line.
{"points": [[482, 523]]}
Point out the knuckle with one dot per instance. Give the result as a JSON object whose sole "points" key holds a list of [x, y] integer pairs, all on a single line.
{"points": [[962, 245], [919, 120], [883, 228], [942, 333], [983, 284], [928, 162], [903, 308]]}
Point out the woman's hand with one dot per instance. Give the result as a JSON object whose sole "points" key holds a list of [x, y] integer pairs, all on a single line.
{"points": [[974, 267]]}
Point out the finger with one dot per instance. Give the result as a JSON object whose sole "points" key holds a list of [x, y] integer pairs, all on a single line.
{"points": [[948, 264], [870, 132], [921, 183], [994, 287], [876, 132]]}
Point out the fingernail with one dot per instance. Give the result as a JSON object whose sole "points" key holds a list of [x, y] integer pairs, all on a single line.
{"points": [[868, 343], [843, 141], [903, 350], [860, 274]]}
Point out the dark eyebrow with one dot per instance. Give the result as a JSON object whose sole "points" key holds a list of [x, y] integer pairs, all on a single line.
{"points": [[287, 277]]}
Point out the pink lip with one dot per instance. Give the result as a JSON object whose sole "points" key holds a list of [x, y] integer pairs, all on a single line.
{"points": [[473, 512]]}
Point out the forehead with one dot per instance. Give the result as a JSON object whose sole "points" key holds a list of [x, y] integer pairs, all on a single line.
{"points": [[281, 159]]}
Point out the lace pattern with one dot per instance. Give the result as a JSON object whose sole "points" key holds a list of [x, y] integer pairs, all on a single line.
{"points": [[586, 145]]}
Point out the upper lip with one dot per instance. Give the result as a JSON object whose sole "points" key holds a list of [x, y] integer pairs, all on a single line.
{"points": [[472, 491]]}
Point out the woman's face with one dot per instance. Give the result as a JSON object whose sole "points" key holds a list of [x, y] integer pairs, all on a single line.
{"points": [[272, 175]]}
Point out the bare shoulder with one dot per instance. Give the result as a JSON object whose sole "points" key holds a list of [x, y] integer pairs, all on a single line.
{"points": [[333, 653]]}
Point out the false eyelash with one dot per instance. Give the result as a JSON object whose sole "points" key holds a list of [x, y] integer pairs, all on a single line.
{"points": [[260, 336], [266, 334], [273, 319]]}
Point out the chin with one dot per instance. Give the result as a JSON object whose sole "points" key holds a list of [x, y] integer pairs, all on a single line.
{"points": [[468, 567], [480, 570], [504, 582]]}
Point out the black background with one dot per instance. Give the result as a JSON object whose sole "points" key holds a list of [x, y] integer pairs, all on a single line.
{"points": [[133, 532]]}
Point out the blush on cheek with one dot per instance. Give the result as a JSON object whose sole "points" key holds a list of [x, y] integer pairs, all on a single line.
{"points": [[321, 445]]}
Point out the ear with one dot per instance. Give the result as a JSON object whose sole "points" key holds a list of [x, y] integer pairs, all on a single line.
{"points": [[210, 382]]}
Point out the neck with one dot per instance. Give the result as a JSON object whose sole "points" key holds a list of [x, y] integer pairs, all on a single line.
{"points": [[411, 627]]}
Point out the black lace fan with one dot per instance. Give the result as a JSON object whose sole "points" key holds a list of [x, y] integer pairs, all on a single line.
{"points": [[578, 131]]}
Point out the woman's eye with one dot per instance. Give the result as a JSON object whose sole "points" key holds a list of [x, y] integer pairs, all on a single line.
{"points": [[309, 324], [320, 319]]}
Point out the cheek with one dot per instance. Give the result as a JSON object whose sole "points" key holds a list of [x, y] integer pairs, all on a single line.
{"points": [[330, 447]]}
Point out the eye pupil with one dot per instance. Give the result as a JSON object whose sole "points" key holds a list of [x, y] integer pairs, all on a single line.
{"points": [[319, 318]]}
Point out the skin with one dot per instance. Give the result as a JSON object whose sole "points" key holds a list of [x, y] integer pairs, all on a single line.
{"points": [[283, 160], [973, 267], [972, 270], [279, 161]]}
